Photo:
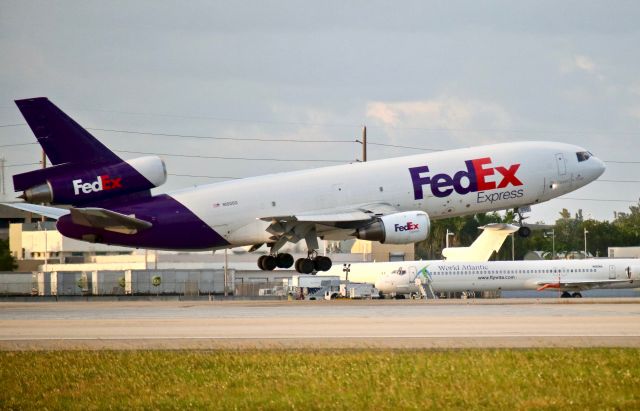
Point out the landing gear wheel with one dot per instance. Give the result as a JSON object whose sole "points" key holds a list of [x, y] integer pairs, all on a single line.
{"points": [[304, 265], [524, 232], [261, 262], [322, 263], [565, 294], [576, 295], [284, 260], [269, 263]]}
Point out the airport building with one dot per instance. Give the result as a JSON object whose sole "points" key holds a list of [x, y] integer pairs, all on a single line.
{"points": [[51, 264], [33, 244], [10, 216]]}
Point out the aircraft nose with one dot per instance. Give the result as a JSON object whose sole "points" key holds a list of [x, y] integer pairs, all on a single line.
{"points": [[598, 167]]}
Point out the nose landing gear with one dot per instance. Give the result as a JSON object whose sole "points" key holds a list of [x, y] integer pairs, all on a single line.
{"points": [[523, 231]]}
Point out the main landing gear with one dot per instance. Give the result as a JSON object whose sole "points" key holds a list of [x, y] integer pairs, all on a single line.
{"points": [[288, 231], [567, 294], [313, 263], [271, 262], [308, 265]]}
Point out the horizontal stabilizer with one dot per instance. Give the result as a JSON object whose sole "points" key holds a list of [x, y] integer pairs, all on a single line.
{"points": [[49, 212], [108, 220]]}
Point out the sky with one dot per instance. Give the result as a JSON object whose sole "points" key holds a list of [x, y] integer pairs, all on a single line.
{"points": [[151, 76]]}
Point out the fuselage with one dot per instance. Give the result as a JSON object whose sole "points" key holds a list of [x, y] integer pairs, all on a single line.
{"points": [[442, 184], [553, 275]]}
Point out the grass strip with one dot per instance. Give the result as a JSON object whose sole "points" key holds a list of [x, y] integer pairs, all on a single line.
{"points": [[595, 378]]}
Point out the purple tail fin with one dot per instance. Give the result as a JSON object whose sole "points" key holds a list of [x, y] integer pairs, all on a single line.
{"points": [[84, 171], [62, 139]]}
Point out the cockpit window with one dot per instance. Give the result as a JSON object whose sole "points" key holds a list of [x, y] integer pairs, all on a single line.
{"points": [[399, 271], [583, 155]]}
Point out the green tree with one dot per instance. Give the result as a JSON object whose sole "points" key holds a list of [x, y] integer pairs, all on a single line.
{"points": [[7, 262], [623, 231], [628, 225]]}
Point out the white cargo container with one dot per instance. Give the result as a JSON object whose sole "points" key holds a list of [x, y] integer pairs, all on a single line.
{"points": [[107, 282], [70, 283], [624, 252], [18, 284], [359, 290], [176, 282], [314, 281]]}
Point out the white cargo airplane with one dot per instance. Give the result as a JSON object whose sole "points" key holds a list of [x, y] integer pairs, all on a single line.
{"points": [[568, 276], [391, 201]]}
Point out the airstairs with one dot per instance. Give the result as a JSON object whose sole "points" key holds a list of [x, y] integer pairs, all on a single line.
{"points": [[425, 289]]}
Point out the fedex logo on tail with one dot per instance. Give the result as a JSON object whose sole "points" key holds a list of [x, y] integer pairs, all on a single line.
{"points": [[478, 176], [101, 183]]}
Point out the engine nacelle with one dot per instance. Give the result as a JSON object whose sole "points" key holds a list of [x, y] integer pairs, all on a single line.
{"points": [[76, 184], [633, 272], [399, 228]]}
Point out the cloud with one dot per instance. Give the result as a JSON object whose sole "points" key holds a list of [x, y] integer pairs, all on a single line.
{"points": [[584, 63], [464, 119], [634, 112], [579, 63]]}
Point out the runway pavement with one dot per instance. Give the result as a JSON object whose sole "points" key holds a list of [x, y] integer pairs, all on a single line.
{"points": [[320, 324]]}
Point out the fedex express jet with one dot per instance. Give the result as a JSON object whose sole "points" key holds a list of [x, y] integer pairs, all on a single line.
{"points": [[568, 276], [391, 200]]}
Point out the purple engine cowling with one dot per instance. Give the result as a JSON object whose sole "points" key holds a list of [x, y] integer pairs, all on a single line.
{"points": [[76, 184]]}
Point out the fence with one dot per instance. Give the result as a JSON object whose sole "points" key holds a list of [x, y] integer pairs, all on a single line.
{"points": [[123, 282]]}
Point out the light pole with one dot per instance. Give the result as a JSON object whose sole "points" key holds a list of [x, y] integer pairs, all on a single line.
{"points": [[346, 268], [585, 242], [552, 234], [513, 248], [449, 233]]}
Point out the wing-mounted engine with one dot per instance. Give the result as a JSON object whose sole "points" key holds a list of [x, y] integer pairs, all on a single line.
{"points": [[81, 183], [398, 228]]}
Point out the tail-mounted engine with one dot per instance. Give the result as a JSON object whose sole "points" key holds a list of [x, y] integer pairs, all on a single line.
{"points": [[74, 183], [399, 228]]}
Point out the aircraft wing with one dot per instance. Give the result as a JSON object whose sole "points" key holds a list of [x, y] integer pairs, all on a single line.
{"points": [[49, 212], [578, 285], [108, 220], [334, 224], [343, 215]]}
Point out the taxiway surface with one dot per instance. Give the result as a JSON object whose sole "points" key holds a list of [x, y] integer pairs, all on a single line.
{"points": [[320, 324]]}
